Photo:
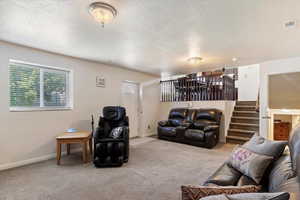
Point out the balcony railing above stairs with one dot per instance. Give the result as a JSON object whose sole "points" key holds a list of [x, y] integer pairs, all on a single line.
{"points": [[199, 88]]}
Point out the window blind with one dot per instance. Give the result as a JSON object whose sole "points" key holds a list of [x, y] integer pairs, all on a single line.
{"points": [[38, 87]]}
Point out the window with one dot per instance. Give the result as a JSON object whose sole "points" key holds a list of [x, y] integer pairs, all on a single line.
{"points": [[36, 87]]}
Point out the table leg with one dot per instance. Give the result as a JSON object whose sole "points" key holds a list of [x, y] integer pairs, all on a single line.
{"points": [[84, 148], [68, 149], [58, 152], [91, 146]]}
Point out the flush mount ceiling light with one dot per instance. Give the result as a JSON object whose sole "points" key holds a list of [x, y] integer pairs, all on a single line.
{"points": [[195, 60], [234, 59], [102, 12]]}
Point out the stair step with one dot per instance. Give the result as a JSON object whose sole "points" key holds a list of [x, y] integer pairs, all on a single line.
{"points": [[244, 126], [250, 103], [241, 119], [240, 133], [245, 113], [244, 108], [236, 139]]}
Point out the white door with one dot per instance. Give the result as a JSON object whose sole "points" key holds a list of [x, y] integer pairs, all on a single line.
{"points": [[130, 100]]}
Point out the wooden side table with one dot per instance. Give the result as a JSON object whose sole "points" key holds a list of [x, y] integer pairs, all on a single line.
{"points": [[84, 138]]}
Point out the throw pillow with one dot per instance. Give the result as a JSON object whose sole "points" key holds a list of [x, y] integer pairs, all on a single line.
{"points": [[116, 133], [260, 196], [197, 192], [261, 145], [249, 163]]}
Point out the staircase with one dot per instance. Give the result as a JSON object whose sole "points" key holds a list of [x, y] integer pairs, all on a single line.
{"points": [[244, 122]]}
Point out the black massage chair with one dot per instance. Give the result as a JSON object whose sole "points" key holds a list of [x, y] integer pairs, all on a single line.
{"points": [[111, 139]]}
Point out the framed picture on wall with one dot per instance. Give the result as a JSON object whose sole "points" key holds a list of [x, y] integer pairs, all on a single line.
{"points": [[100, 81]]}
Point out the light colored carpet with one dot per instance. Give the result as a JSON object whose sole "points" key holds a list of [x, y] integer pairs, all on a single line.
{"points": [[155, 171]]}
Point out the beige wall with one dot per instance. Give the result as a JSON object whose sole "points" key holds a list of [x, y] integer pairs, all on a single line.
{"points": [[150, 106], [30, 136], [226, 107]]}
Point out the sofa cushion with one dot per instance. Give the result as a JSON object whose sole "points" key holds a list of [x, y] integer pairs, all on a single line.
{"points": [[175, 122], [194, 134], [245, 180], [197, 192], [224, 176], [201, 124], [250, 196], [178, 113], [208, 114], [259, 196], [280, 172], [211, 128], [261, 145], [250, 163], [167, 131]]}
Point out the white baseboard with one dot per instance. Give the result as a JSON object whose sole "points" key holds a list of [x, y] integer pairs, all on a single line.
{"points": [[32, 160]]}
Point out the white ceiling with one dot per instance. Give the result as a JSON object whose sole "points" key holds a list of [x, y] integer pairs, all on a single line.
{"points": [[157, 36]]}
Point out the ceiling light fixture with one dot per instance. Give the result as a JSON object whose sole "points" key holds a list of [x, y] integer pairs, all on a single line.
{"points": [[195, 60], [234, 59], [102, 12]]}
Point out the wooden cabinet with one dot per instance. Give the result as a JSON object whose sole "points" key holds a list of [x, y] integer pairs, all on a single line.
{"points": [[281, 130]]}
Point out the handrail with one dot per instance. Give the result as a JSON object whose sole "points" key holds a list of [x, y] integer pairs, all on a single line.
{"points": [[200, 88]]}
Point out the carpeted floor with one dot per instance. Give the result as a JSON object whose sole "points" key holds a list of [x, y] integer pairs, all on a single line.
{"points": [[155, 171]]}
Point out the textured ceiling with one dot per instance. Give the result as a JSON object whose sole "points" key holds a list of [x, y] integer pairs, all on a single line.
{"points": [[157, 36]]}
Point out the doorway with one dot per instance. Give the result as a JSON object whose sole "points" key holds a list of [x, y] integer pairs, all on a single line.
{"points": [[131, 101], [283, 104]]}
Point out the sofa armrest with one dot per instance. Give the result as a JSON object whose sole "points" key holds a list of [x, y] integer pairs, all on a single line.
{"points": [[211, 139], [224, 176], [163, 123], [211, 128]]}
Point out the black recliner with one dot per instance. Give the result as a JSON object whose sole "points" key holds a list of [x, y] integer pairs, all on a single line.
{"points": [[111, 139], [199, 127], [177, 118]]}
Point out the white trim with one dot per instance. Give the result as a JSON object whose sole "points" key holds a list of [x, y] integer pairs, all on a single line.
{"points": [[32, 109], [33, 160], [42, 88], [39, 65]]}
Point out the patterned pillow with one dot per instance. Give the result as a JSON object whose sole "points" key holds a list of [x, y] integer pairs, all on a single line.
{"points": [[197, 192], [116, 133], [249, 163]]}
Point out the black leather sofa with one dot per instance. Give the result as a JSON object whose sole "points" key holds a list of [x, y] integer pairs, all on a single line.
{"points": [[111, 150], [281, 176], [198, 127]]}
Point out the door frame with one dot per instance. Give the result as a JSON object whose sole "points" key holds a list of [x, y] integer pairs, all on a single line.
{"points": [[139, 107]]}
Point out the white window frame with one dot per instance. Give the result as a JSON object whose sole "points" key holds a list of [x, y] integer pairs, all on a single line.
{"points": [[69, 97]]}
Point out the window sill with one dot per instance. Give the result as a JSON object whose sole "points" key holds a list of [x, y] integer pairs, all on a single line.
{"points": [[24, 109]]}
